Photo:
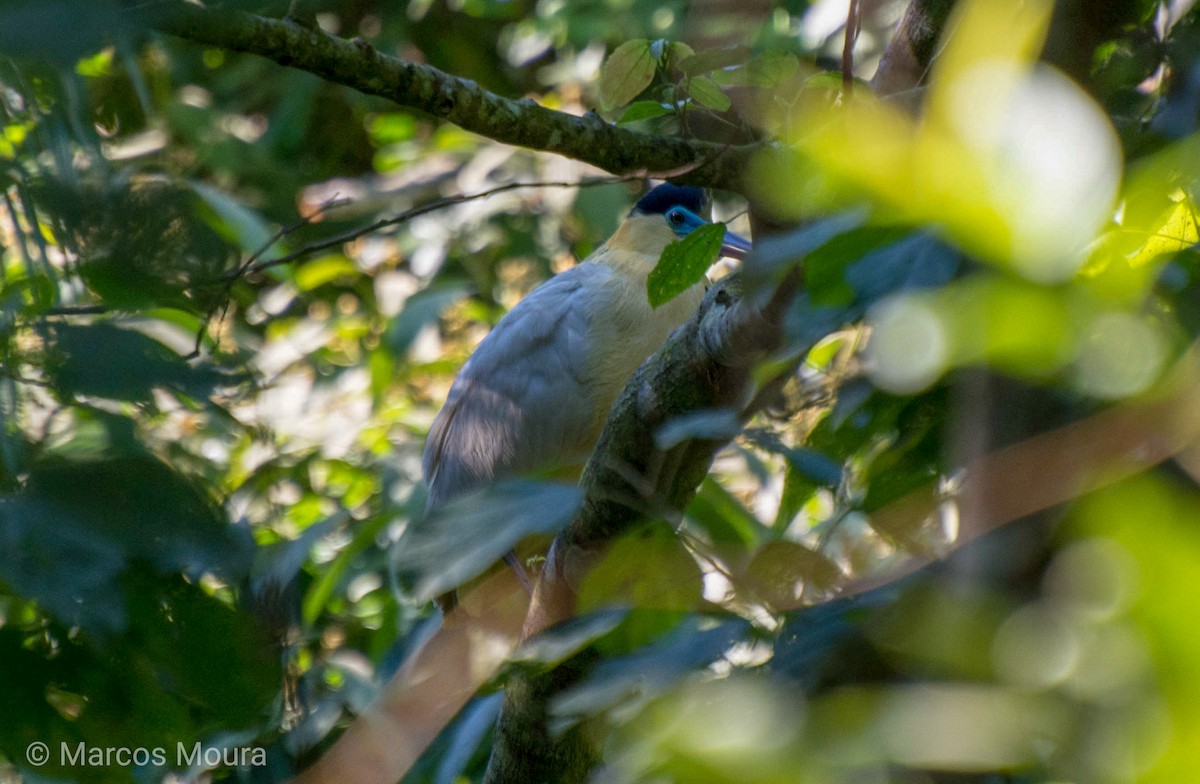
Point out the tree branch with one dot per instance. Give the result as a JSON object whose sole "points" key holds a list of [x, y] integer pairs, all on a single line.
{"points": [[909, 54], [523, 123], [706, 364]]}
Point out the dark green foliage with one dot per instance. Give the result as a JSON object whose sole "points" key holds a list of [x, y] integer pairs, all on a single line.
{"points": [[199, 547], [102, 360], [139, 243]]}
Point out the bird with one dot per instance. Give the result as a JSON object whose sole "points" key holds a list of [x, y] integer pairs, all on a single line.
{"points": [[535, 393]]}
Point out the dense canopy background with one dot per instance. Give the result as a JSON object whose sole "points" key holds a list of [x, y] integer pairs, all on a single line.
{"points": [[952, 527]]}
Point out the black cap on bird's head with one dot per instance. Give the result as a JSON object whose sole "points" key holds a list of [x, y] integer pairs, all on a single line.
{"points": [[667, 195], [681, 206]]}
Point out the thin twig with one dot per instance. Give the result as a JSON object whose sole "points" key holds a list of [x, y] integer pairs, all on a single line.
{"points": [[254, 264], [223, 299], [448, 201]]}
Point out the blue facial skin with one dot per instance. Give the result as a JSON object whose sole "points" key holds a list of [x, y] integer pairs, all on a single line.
{"points": [[684, 222]]}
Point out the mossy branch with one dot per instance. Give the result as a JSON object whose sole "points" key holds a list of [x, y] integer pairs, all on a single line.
{"points": [[706, 364], [523, 123]]}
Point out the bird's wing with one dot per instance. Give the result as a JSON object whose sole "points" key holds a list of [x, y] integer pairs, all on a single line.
{"points": [[522, 401]]}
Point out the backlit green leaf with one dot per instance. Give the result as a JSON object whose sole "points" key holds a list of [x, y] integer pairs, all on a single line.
{"points": [[707, 93], [325, 269], [683, 263], [644, 110], [626, 72]]}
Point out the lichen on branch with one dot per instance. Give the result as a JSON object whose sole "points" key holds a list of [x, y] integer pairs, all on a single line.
{"points": [[524, 123]]}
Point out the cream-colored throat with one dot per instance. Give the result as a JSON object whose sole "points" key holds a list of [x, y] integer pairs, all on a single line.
{"points": [[636, 245]]}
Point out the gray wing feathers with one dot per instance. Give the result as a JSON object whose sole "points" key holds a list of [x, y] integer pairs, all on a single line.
{"points": [[522, 401]]}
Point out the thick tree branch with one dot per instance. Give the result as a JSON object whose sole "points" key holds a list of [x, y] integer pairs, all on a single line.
{"points": [[523, 123], [909, 55], [706, 364]]}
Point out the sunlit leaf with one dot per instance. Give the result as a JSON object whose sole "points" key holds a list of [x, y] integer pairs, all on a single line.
{"points": [[392, 127], [98, 64], [1141, 552], [977, 165], [324, 269], [992, 31], [626, 72], [647, 569]]}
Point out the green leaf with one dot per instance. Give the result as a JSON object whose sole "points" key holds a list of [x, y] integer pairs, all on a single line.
{"points": [[325, 269], [676, 54], [334, 574], [392, 128], [714, 60], [121, 364], [826, 265], [633, 680], [772, 68], [466, 536], [99, 64], [648, 569], [717, 424], [820, 355], [249, 229], [626, 72], [822, 470], [706, 92], [723, 517], [780, 570], [644, 110], [683, 263], [564, 640], [767, 70]]}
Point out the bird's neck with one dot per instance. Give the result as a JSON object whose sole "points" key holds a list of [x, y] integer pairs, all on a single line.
{"points": [[635, 247]]}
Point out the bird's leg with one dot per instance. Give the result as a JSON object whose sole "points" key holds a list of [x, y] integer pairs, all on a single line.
{"points": [[512, 560]]}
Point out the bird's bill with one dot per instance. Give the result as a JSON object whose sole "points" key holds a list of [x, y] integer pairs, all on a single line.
{"points": [[734, 246]]}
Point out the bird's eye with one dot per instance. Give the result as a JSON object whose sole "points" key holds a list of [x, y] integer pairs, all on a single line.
{"points": [[675, 216]]}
